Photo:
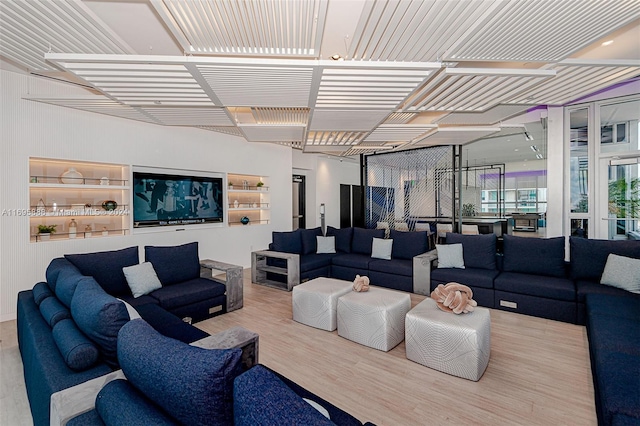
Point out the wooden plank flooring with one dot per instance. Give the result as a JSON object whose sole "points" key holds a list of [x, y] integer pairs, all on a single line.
{"points": [[538, 374]]}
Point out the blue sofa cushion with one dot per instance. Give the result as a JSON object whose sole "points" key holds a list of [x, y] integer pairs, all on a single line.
{"points": [[353, 260], [287, 242], [310, 262], [536, 285], [402, 267], [40, 292], [118, 403], [343, 238], [193, 385], [589, 257], [76, 350], [583, 288], [309, 241], [538, 256], [473, 277], [174, 264], [362, 241], [614, 306], [100, 316], [67, 282], [479, 251], [407, 245], [106, 267], [53, 311], [188, 292], [54, 268], [261, 398]]}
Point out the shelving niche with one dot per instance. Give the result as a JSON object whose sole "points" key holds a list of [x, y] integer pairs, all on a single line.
{"points": [[246, 198], [80, 198]]}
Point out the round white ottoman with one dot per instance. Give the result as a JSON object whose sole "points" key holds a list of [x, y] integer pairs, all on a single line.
{"points": [[373, 318], [459, 345], [314, 302]]}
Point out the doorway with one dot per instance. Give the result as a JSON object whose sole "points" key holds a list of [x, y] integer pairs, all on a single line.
{"points": [[299, 202]]}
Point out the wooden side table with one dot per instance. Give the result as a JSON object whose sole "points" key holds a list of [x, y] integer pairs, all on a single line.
{"points": [[233, 281], [259, 269], [234, 337]]}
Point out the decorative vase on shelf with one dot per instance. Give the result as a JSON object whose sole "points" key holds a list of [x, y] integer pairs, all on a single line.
{"points": [[105, 231], [87, 231], [109, 205], [244, 220], [73, 228], [235, 204], [104, 181], [71, 176]]}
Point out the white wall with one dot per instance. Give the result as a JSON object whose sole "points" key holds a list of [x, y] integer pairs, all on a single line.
{"points": [[32, 129]]}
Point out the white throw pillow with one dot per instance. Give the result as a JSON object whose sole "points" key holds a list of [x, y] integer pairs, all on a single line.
{"points": [[381, 248], [141, 278], [450, 256], [326, 244], [622, 272]]}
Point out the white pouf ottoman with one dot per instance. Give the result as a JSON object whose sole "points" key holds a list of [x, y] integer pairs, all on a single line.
{"points": [[314, 302], [373, 318], [459, 345]]}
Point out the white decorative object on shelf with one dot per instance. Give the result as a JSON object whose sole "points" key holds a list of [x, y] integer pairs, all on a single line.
{"points": [[73, 228], [104, 180], [235, 204], [87, 231], [71, 176], [105, 232]]}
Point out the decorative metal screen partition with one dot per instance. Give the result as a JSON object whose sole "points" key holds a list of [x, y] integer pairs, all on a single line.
{"points": [[406, 187]]}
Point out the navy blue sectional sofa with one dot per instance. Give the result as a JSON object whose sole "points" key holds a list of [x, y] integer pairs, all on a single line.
{"points": [[353, 255], [202, 387]]}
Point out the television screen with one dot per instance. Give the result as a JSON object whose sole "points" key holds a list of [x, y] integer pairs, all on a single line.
{"points": [[167, 199]]}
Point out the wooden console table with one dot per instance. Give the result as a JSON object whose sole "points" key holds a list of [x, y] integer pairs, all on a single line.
{"points": [[231, 338], [259, 269], [233, 280]]}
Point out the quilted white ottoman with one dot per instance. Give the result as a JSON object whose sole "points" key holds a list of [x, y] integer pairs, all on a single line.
{"points": [[314, 302], [454, 344], [373, 318]]}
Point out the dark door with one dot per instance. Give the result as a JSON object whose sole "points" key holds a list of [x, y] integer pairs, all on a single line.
{"points": [[299, 202]]}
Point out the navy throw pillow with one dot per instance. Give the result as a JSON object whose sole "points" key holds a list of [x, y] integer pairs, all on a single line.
{"points": [[309, 241], [76, 350], [53, 270], [100, 317], [589, 257], [40, 292], [106, 268], [407, 245], [343, 238], [287, 242], [537, 256], [363, 239], [193, 385], [53, 311], [479, 251], [174, 264]]}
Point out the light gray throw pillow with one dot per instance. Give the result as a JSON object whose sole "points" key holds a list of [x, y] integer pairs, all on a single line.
{"points": [[142, 278], [381, 248], [450, 256], [326, 244], [622, 272]]}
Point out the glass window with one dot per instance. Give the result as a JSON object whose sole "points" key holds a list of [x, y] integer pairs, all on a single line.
{"points": [[579, 161], [619, 126]]}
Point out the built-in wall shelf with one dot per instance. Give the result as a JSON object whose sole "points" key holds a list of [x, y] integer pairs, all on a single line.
{"points": [[62, 190], [248, 196]]}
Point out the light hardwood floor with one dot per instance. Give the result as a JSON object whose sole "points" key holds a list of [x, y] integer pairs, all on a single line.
{"points": [[538, 374]]}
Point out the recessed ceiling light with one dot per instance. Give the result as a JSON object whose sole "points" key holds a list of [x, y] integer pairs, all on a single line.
{"points": [[516, 150], [607, 43]]}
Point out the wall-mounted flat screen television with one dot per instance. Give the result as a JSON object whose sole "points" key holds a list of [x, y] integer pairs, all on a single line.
{"points": [[161, 199]]}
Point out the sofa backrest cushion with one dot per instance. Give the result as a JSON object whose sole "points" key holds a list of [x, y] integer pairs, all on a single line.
{"points": [[40, 292], [78, 352], [343, 238], [406, 245], [53, 270], [362, 241], [106, 268], [479, 250], [309, 239], [53, 311], [100, 317], [287, 242], [193, 385], [537, 256], [589, 257], [174, 264], [67, 282]]}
